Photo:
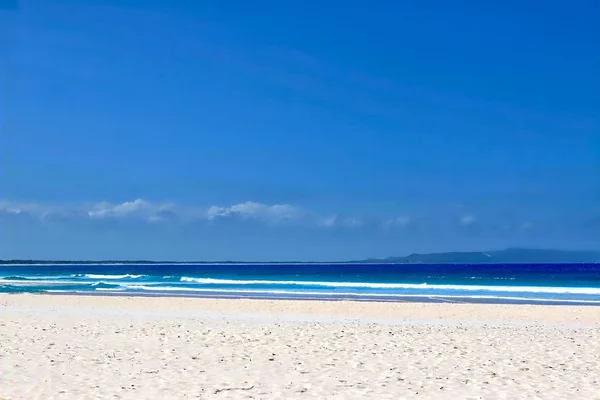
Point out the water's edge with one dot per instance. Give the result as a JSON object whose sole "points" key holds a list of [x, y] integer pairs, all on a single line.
{"points": [[357, 298]]}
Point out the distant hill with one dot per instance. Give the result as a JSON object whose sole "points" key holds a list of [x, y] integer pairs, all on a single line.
{"points": [[514, 255]]}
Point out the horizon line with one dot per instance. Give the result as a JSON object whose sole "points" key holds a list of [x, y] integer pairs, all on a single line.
{"points": [[17, 261]]}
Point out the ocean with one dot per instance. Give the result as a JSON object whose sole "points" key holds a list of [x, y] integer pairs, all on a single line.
{"points": [[471, 283]]}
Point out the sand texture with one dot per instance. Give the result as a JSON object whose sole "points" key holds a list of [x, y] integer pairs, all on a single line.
{"points": [[83, 347]]}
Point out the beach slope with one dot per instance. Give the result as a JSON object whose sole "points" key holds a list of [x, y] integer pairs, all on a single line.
{"points": [[92, 347]]}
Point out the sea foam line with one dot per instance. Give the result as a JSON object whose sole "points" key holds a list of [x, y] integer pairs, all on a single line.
{"points": [[94, 276], [41, 283], [26, 277], [33, 282], [421, 286], [335, 294]]}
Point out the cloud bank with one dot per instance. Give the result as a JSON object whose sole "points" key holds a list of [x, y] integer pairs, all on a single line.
{"points": [[276, 213], [142, 210], [146, 229]]}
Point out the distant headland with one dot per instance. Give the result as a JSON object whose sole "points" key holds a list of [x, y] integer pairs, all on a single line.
{"points": [[511, 255]]}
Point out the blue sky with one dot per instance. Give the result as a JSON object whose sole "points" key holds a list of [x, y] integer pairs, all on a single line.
{"points": [[297, 130]]}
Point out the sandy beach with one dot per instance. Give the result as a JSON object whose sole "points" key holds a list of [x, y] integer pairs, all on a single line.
{"points": [[91, 347]]}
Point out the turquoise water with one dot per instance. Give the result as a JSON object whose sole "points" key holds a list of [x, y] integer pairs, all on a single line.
{"points": [[496, 283]]}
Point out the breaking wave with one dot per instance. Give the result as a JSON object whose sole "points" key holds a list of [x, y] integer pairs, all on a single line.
{"points": [[421, 286], [94, 276]]}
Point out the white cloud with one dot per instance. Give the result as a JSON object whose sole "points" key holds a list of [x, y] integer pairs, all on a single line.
{"points": [[161, 212], [11, 210], [152, 212], [15, 208], [250, 210], [107, 210], [136, 209], [27, 209], [144, 210]]}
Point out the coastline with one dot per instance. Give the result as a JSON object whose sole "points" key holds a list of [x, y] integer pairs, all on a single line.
{"points": [[395, 312], [245, 295], [101, 347]]}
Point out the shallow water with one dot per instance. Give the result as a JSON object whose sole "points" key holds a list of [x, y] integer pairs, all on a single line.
{"points": [[494, 283]]}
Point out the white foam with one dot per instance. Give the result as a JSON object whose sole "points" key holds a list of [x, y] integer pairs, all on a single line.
{"points": [[63, 264], [340, 294], [104, 283], [34, 282], [93, 276], [39, 277], [420, 286]]}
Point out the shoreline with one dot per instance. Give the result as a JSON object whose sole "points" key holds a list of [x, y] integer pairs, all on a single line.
{"points": [[431, 299], [390, 312]]}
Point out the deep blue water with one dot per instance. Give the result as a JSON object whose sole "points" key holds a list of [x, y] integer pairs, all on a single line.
{"points": [[528, 283]]}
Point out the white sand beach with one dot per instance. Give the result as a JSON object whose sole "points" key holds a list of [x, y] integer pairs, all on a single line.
{"points": [[89, 347]]}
